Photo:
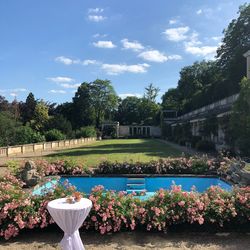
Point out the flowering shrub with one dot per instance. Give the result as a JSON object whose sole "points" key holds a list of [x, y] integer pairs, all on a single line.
{"points": [[181, 165], [19, 209], [58, 167], [113, 212]]}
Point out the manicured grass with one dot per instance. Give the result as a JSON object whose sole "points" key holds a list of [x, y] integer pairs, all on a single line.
{"points": [[142, 150]]}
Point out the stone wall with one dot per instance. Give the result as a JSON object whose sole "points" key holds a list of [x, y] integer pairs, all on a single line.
{"points": [[42, 146]]}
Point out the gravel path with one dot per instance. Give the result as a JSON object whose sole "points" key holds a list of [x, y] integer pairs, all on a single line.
{"points": [[45, 240]]}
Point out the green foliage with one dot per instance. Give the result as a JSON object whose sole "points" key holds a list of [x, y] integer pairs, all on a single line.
{"points": [[26, 135], [206, 146], [149, 112], [210, 126], [103, 99], [151, 92], [195, 140], [171, 100], [41, 116], [8, 125], [234, 44], [54, 135], [181, 133], [83, 110], [13, 166], [195, 87], [93, 102], [59, 122], [240, 120], [109, 131], [128, 111], [134, 110], [4, 104], [28, 108], [86, 132]]}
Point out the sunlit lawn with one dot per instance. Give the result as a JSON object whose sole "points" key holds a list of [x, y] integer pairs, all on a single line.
{"points": [[118, 150]]}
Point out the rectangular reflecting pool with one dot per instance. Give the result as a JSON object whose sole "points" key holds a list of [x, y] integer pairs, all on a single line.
{"points": [[149, 185]]}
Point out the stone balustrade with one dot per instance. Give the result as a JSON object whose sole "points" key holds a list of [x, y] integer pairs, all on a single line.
{"points": [[42, 146]]}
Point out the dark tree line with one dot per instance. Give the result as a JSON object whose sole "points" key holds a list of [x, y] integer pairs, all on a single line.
{"points": [[94, 102]]}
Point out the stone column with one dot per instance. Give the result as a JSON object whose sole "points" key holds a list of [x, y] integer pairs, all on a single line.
{"points": [[247, 55]]}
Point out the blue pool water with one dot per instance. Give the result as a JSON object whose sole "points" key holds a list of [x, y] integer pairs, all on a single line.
{"points": [[148, 184]]}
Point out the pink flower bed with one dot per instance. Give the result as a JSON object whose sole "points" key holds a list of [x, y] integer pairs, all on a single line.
{"points": [[180, 165], [113, 212]]}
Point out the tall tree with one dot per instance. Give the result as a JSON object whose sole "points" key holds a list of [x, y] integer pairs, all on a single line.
{"points": [[28, 108], [4, 104], [128, 111], [8, 125], [83, 110], [103, 98], [235, 43], [171, 100], [41, 116], [149, 112], [151, 92]]}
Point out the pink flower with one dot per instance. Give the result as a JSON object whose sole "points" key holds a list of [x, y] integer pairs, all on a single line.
{"points": [[149, 227], [201, 220], [181, 203], [93, 218]]}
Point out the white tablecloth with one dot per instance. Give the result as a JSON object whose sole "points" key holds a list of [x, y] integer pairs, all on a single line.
{"points": [[69, 217]]}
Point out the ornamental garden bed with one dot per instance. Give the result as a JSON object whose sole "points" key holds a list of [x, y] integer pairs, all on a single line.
{"points": [[118, 211]]}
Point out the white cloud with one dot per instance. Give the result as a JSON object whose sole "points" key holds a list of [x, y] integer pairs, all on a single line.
{"points": [[174, 57], [173, 21], [13, 90], [157, 56], [61, 79], [206, 51], [104, 44], [116, 69], [70, 86], [95, 10], [153, 56], [199, 12], [59, 91], [135, 45], [69, 61], [13, 94], [89, 61], [66, 60], [96, 18], [216, 38], [99, 35], [208, 12], [123, 96], [176, 34], [193, 40], [194, 46]]}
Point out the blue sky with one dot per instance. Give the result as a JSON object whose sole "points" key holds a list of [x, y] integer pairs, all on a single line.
{"points": [[50, 47]]}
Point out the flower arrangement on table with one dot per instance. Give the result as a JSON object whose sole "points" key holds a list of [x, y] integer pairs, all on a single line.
{"points": [[76, 197]]}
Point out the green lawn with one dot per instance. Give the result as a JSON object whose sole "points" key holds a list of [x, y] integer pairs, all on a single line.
{"points": [[117, 150]]}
